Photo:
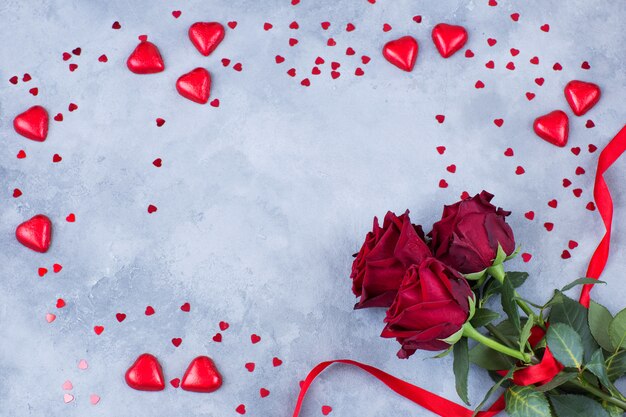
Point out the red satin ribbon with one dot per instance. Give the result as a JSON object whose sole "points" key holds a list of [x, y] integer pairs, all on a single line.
{"points": [[540, 373]]}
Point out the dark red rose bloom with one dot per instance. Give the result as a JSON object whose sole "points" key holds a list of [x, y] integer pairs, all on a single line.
{"points": [[432, 304], [383, 259], [468, 234]]}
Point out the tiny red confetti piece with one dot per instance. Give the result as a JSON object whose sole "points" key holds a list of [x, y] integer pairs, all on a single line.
{"points": [[469, 53], [175, 382], [232, 24], [545, 28], [103, 58], [223, 325], [508, 152], [71, 218], [250, 366], [217, 338], [42, 271], [417, 19], [16, 193], [515, 17], [152, 208], [176, 341], [553, 203], [557, 67], [241, 409], [276, 362], [526, 257], [56, 158], [326, 409], [72, 107], [186, 307], [534, 60], [440, 118], [325, 25], [263, 392], [60, 303], [590, 124], [520, 170], [443, 183], [498, 122], [21, 154], [441, 149], [491, 41], [56, 268], [149, 311], [565, 254], [116, 25], [98, 330], [585, 65], [267, 26], [530, 215], [254, 338], [176, 14]]}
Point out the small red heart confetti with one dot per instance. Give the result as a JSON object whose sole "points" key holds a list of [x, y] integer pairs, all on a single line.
{"points": [[145, 374], [498, 122], [326, 409], [103, 58], [223, 325], [294, 25], [263, 392], [534, 60], [490, 65], [305, 82], [359, 72], [35, 233], [590, 124], [386, 27], [585, 65], [98, 330], [590, 206], [515, 17], [279, 59], [469, 53], [451, 168], [565, 254], [479, 84], [545, 28], [293, 42], [32, 124], [491, 41], [510, 66], [71, 107], [592, 148], [76, 51], [365, 59], [350, 51], [441, 149], [526, 257], [71, 218], [553, 203], [116, 25], [185, 307], [520, 170], [402, 52], [217, 338], [50, 318], [448, 39], [241, 409], [514, 52], [267, 26], [566, 183], [325, 25], [57, 268], [580, 170], [206, 36], [530, 215], [149, 311], [16, 193], [232, 24], [21, 154], [417, 19], [581, 96], [56, 158], [176, 341], [250, 366], [464, 195], [157, 162], [539, 81], [276, 362], [145, 59], [553, 127], [176, 14], [443, 183], [572, 244], [350, 27], [238, 67], [557, 67], [58, 117], [549, 226], [225, 62], [73, 67], [508, 152], [60, 303], [42, 271], [13, 80], [152, 208], [160, 122], [195, 85], [530, 96], [440, 118], [175, 382], [201, 376], [577, 192], [120, 317], [215, 103], [335, 74], [34, 91], [255, 338]]}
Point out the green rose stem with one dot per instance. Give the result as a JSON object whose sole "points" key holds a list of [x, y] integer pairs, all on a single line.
{"points": [[497, 271], [599, 393], [472, 333]]}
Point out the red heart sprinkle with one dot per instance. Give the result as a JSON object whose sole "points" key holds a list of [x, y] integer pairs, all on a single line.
{"points": [[279, 59], [326, 409], [580, 170], [402, 52], [66, 56], [553, 203], [417, 19], [534, 60], [58, 117], [557, 67], [441, 149], [451, 168], [440, 118], [71, 218], [72, 107], [350, 27], [120, 317], [250, 366], [35, 233], [42, 271], [490, 65], [553, 127], [515, 17], [443, 183], [499, 123], [565, 254], [350, 51], [103, 58], [510, 66], [581, 96], [149, 311], [479, 84], [60, 303], [276, 362], [325, 25], [590, 124], [145, 374], [175, 382], [13, 80], [335, 74], [34, 91], [539, 81], [572, 244], [293, 41], [73, 67], [549, 226], [592, 148], [157, 162], [186, 307], [386, 27], [201, 376], [56, 158], [16, 193], [264, 392], [215, 103], [358, 72], [223, 325], [448, 38], [305, 82], [255, 338], [469, 53], [530, 215], [566, 183], [267, 26], [160, 122], [217, 338], [206, 36], [32, 124], [98, 330], [76, 51], [585, 65], [237, 67], [530, 96], [576, 150], [491, 41], [176, 14], [116, 25], [590, 206], [195, 85], [577, 192], [292, 72], [464, 195], [145, 59], [545, 28], [519, 170], [176, 341], [232, 25], [365, 59], [152, 208], [526, 257], [57, 268], [508, 152], [241, 409], [21, 154]]}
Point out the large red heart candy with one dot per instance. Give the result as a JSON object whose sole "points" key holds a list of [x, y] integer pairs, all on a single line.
{"points": [[195, 85], [553, 127], [145, 374], [449, 38], [402, 52], [32, 124], [145, 59], [35, 233], [201, 376], [581, 96], [206, 36]]}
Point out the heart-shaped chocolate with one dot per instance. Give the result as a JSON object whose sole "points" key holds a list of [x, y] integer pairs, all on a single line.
{"points": [[35, 233], [201, 376], [206, 36], [581, 96], [553, 127], [195, 85], [402, 52], [145, 374], [145, 59], [449, 38], [32, 124]]}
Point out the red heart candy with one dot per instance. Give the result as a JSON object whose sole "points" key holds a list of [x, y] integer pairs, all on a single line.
{"points": [[206, 36], [35, 233], [401, 52], [201, 376], [145, 59], [553, 127], [32, 124], [145, 374], [581, 96], [195, 85], [449, 38]]}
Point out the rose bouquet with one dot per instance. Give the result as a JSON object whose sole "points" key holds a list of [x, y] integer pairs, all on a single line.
{"points": [[553, 359]]}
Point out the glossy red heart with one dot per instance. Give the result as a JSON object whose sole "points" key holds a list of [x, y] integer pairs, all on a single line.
{"points": [[449, 38], [35, 233], [201, 376], [206, 36], [553, 127], [145, 374], [581, 96], [195, 85], [145, 59], [32, 124], [402, 52]]}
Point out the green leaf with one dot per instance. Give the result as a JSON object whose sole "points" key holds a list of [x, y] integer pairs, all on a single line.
{"points": [[565, 310], [613, 410], [617, 330], [508, 304], [493, 389], [526, 402], [500, 256], [565, 344], [581, 281], [461, 368], [560, 379], [517, 278], [490, 359], [571, 405], [483, 316], [597, 367], [525, 334], [616, 365], [599, 318]]}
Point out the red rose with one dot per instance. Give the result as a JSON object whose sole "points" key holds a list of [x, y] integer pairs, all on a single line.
{"points": [[468, 234], [383, 259], [432, 304]]}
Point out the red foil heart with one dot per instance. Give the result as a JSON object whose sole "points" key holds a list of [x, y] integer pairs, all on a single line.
{"points": [[553, 127], [35, 233], [195, 85], [201, 376], [145, 59], [206, 36], [145, 374], [581, 96], [402, 52], [449, 38], [32, 124]]}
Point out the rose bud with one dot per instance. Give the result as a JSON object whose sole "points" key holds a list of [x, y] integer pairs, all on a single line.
{"points": [[385, 256], [432, 305], [469, 232]]}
